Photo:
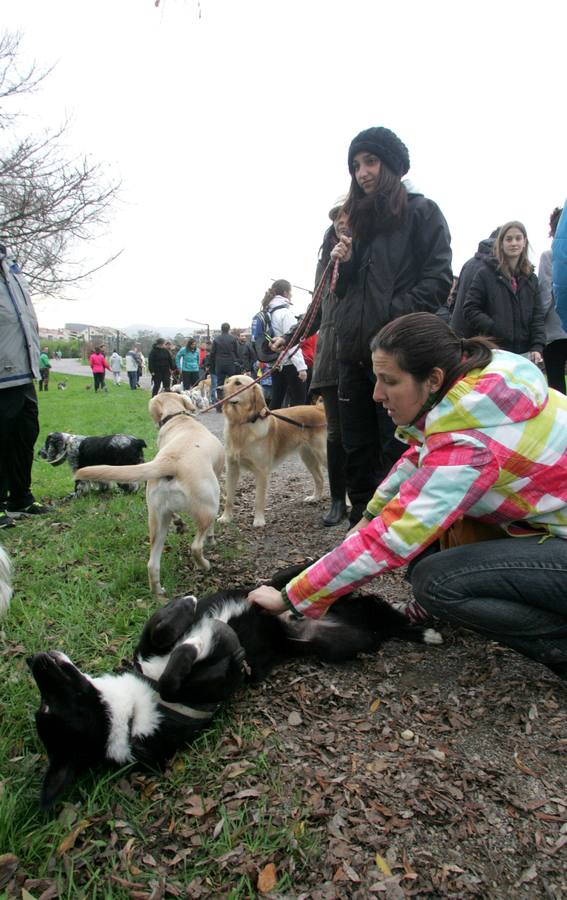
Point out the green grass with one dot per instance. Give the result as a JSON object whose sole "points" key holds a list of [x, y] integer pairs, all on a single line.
{"points": [[80, 585]]}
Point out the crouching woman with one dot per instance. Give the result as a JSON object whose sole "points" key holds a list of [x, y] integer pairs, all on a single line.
{"points": [[487, 450]]}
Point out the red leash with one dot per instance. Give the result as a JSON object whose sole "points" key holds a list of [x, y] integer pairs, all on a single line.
{"points": [[296, 337]]}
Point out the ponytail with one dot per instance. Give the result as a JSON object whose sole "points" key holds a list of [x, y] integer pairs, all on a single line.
{"points": [[281, 286]]}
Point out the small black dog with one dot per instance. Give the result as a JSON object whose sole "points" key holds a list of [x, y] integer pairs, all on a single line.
{"points": [[192, 656], [79, 451]]}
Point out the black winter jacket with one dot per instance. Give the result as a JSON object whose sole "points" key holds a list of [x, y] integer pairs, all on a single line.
{"points": [[159, 360], [405, 271], [469, 270], [513, 319], [224, 352], [247, 356]]}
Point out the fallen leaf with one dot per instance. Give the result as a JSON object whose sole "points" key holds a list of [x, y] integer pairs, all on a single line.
{"points": [[199, 806], [8, 866], [383, 865], [267, 879], [69, 842]]}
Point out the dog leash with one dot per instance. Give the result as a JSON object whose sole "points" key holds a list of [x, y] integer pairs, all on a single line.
{"points": [[268, 412], [296, 337]]}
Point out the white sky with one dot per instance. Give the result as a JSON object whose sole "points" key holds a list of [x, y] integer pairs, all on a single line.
{"points": [[229, 123]]}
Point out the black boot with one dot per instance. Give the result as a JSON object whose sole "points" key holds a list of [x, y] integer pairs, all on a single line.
{"points": [[336, 513], [337, 483]]}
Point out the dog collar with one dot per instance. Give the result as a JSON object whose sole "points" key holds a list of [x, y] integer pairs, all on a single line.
{"points": [[164, 421]]}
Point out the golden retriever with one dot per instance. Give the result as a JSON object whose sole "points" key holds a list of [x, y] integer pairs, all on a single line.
{"points": [[257, 441], [183, 477]]}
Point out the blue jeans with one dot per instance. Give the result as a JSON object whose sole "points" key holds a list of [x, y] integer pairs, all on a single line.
{"points": [[133, 379], [512, 590]]}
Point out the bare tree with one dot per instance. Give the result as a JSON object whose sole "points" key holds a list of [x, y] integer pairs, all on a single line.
{"points": [[48, 203]]}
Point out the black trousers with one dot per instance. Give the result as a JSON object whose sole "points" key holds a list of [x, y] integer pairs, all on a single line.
{"points": [[19, 428], [161, 377], [555, 357], [287, 381], [367, 434], [98, 380], [189, 379]]}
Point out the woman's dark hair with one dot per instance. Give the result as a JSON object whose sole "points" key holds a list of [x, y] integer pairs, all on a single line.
{"points": [[524, 264], [189, 342], [421, 341], [380, 212], [554, 220], [281, 286], [98, 349]]}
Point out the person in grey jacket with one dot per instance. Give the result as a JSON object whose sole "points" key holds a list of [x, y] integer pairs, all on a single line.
{"points": [[555, 350], [19, 366]]}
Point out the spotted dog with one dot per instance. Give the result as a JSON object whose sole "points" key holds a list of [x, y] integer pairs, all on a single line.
{"points": [[80, 451]]}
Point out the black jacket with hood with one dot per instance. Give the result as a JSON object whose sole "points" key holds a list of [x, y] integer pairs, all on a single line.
{"points": [[160, 360], [514, 319], [469, 270], [407, 270]]}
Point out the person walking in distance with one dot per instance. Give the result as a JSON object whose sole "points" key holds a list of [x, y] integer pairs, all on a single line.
{"points": [[116, 366], [44, 367], [224, 360], [160, 365], [98, 363], [132, 360]]}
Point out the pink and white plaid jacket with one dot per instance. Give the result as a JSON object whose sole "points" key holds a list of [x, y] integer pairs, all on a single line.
{"points": [[494, 448]]}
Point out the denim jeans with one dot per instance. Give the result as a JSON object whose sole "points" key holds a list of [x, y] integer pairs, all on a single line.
{"points": [[133, 379], [513, 590]]}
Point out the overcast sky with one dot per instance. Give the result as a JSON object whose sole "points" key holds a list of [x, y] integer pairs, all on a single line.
{"points": [[228, 122]]}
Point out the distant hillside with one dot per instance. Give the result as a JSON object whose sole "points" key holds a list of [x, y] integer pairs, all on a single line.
{"points": [[166, 331]]}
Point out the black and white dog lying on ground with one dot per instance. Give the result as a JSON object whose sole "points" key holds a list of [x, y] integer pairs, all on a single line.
{"points": [[80, 451], [192, 655]]}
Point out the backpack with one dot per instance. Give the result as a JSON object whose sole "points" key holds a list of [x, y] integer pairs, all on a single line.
{"points": [[262, 332]]}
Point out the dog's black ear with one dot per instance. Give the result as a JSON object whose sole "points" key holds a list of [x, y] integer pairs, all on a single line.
{"points": [[167, 626], [172, 681], [58, 779]]}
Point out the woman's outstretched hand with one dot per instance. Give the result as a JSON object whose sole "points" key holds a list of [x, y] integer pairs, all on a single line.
{"points": [[343, 250], [268, 598], [362, 523]]}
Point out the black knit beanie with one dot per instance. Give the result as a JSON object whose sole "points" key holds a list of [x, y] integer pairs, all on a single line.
{"points": [[384, 144]]}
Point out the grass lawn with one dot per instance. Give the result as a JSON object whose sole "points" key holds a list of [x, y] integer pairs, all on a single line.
{"points": [[81, 586]]}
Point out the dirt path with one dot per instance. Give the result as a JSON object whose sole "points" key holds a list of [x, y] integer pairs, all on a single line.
{"points": [[434, 772]]}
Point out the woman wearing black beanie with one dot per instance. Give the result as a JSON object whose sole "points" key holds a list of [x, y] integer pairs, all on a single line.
{"points": [[397, 261]]}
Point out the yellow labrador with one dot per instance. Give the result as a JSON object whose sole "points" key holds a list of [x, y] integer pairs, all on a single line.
{"points": [[183, 477], [258, 442]]}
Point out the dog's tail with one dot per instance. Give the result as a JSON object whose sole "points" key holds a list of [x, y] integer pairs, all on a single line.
{"points": [[5, 581], [157, 468]]}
